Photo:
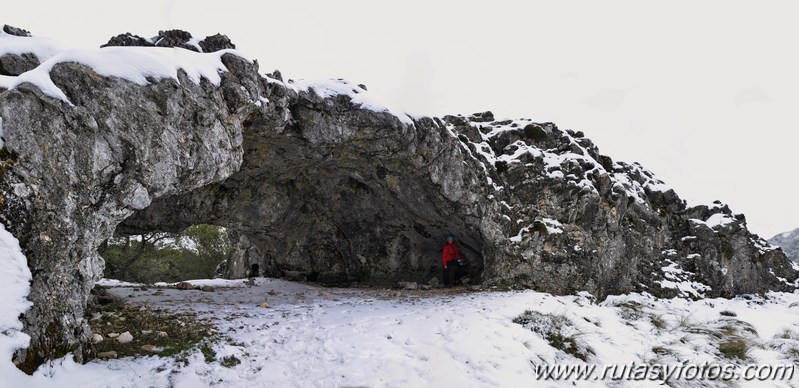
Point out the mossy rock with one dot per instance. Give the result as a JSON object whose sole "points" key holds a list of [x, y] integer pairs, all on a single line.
{"points": [[607, 162], [540, 227]]}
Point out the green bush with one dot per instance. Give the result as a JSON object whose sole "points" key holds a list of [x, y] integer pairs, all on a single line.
{"points": [[169, 257], [540, 227]]}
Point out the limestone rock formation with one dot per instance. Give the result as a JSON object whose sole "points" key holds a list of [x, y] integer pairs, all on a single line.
{"points": [[14, 64], [316, 180], [173, 38]]}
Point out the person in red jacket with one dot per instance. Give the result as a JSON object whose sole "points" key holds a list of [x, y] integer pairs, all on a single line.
{"points": [[451, 259]]}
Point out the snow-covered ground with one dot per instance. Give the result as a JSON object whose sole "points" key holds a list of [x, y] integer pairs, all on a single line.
{"points": [[313, 336], [292, 334]]}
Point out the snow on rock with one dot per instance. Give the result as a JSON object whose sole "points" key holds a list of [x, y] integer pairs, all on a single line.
{"points": [[135, 64], [631, 178], [680, 279], [719, 219], [356, 93], [15, 277], [552, 227], [42, 48], [117, 283], [763, 245], [222, 283], [518, 237]]}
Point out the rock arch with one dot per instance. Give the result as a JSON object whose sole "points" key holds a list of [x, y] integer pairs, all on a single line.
{"points": [[357, 205], [125, 157]]}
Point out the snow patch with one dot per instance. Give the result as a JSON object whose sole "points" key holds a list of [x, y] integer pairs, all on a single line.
{"points": [[719, 219], [783, 280], [358, 95], [116, 283], [40, 47], [762, 245], [218, 283], [678, 278], [312, 336], [134, 64], [15, 278], [518, 237], [553, 227]]}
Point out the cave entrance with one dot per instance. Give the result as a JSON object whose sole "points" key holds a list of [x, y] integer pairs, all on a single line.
{"points": [[254, 271], [331, 213], [157, 256]]}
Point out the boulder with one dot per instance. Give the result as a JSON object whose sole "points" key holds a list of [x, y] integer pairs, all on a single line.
{"points": [[11, 30], [125, 338], [175, 38], [216, 43], [128, 39], [185, 286], [107, 355], [16, 64]]}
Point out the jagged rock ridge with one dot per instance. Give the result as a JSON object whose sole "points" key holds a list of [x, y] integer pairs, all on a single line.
{"points": [[317, 180]]}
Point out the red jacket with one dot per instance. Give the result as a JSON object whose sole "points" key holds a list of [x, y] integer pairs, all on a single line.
{"points": [[449, 253]]}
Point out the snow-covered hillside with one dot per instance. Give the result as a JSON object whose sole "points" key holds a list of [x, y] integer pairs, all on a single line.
{"points": [[312, 336], [291, 334], [789, 242]]}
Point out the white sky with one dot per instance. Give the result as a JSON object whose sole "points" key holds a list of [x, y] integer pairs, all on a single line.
{"points": [[705, 94]]}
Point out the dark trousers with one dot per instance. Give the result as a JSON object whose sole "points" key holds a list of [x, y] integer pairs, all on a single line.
{"points": [[450, 273]]}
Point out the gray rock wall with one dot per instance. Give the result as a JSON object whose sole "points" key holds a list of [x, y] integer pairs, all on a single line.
{"points": [[79, 170]]}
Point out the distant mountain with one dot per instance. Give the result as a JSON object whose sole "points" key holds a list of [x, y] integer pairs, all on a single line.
{"points": [[789, 242]]}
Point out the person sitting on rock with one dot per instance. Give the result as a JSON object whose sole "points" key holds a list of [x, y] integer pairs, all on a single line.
{"points": [[451, 259]]}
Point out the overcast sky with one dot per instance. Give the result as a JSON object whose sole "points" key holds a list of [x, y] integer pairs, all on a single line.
{"points": [[704, 93]]}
